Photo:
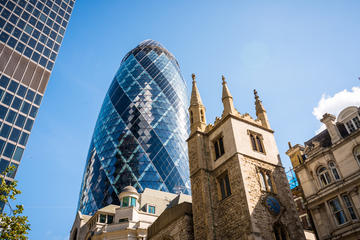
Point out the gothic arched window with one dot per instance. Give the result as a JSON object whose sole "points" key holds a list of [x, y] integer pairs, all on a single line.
{"points": [[253, 143], [269, 182], [324, 176], [280, 232], [191, 117], [259, 143], [334, 170], [262, 181], [357, 153], [202, 116]]}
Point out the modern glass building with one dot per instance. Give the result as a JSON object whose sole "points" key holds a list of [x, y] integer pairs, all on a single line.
{"points": [[31, 32], [140, 135]]}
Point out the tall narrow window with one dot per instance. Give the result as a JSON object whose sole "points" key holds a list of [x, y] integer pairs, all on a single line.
{"points": [[356, 121], [253, 143], [202, 116], [219, 147], [357, 153], [259, 143], [337, 211], [349, 206], [262, 181], [102, 218], [224, 184], [334, 170], [299, 159], [269, 182], [280, 232], [324, 176], [350, 126], [191, 117], [133, 202], [151, 209], [125, 202]]}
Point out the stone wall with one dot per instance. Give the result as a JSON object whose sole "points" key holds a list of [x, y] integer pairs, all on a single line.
{"points": [[173, 224], [262, 220]]}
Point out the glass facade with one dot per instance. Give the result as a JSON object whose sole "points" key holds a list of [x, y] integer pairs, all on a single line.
{"points": [[140, 135], [31, 32]]}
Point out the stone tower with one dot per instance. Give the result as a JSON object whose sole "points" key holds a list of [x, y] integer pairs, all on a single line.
{"points": [[239, 187]]}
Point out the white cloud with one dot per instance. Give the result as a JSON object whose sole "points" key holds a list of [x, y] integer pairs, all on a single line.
{"points": [[334, 104]]}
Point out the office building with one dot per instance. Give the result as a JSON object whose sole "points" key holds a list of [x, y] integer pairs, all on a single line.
{"points": [[139, 137], [31, 33]]}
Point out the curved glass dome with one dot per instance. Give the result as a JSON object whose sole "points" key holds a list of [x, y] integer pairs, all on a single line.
{"points": [[140, 135]]}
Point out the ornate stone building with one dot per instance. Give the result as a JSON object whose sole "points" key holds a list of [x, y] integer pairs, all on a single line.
{"points": [[130, 219], [239, 187], [328, 171]]}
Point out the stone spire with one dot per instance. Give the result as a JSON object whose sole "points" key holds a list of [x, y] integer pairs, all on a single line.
{"points": [[195, 95], [196, 109], [227, 99], [260, 111]]}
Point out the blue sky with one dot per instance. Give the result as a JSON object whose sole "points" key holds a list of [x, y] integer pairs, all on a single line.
{"points": [[299, 55]]}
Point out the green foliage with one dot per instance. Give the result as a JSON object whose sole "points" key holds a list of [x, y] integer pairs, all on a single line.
{"points": [[13, 226]]}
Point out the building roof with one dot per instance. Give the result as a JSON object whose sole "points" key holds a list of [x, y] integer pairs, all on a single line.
{"points": [[180, 199], [108, 209], [169, 216], [149, 45], [129, 189], [324, 137]]}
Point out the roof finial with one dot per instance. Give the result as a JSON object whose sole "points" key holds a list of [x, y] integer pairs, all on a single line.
{"points": [[193, 77], [223, 79], [256, 94]]}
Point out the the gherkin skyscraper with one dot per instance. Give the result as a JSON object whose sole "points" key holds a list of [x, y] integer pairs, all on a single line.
{"points": [[140, 135]]}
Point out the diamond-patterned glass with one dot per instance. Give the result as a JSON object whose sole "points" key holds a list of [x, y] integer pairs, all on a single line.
{"points": [[139, 137]]}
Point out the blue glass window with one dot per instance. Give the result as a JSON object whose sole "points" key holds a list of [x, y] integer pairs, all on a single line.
{"points": [[2, 144], [38, 99], [15, 134], [3, 165], [16, 103], [5, 13], [24, 138], [11, 116], [18, 154], [25, 108], [13, 86], [13, 19], [28, 52], [2, 22], [10, 5], [9, 150], [7, 98], [4, 81], [4, 37], [9, 27], [29, 124], [33, 111], [20, 121], [21, 91], [3, 111], [12, 42], [16, 33], [5, 130], [18, 11], [24, 38], [20, 47], [30, 95]]}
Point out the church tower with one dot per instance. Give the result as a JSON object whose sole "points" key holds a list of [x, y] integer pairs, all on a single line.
{"points": [[239, 187]]}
